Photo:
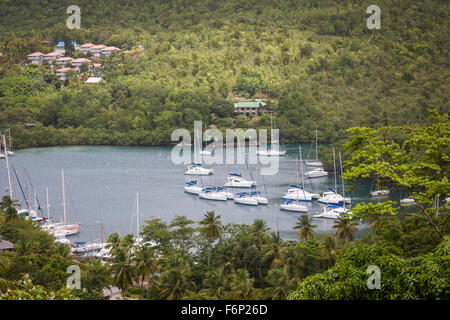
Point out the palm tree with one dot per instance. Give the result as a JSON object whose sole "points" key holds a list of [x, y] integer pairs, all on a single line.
{"points": [[305, 227], [113, 242], [345, 229], [241, 286], [281, 283], [329, 249], [5, 264], [215, 283], [274, 246], [8, 209], [175, 283], [123, 269], [211, 229], [146, 264], [258, 230]]}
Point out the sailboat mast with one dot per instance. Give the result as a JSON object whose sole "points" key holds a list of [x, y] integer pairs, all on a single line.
{"points": [[335, 172], [137, 215], [342, 177], [301, 164], [64, 196], [48, 205], [7, 168], [317, 158]]}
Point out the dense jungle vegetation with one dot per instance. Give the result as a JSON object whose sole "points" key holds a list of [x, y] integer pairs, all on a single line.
{"points": [[315, 61]]}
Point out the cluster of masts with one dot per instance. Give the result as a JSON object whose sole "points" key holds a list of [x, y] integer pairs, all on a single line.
{"points": [[291, 201]]}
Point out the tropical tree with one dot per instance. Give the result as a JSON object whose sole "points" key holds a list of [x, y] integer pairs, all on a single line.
{"points": [[8, 209], [5, 264], [274, 246], [146, 264], [241, 286], [305, 227], [211, 229], [258, 231], [280, 283], [123, 269], [216, 283], [329, 249], [175, 283], [345, 229]]}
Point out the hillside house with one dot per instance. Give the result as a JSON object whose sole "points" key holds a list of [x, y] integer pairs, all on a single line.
{"points": [[108, 50], [35, 57], [63, 61], [85, 48], [6, 246], [63, 73], [76, 63], [97, 50], [250, 107], [52, 56]]}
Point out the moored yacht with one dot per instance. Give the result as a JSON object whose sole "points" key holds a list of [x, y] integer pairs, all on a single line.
{"points": [[235, 180], [197, 169], [291, 205]]}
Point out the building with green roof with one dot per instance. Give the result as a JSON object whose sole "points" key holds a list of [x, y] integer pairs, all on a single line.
{"points": [[250, 107]]}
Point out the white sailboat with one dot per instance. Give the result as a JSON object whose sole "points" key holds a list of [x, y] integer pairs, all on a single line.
{"points": [[335, 212], [380, 193], [331, 196], [293, 205], [212, 194], [316, 162], [193, 187], [245, 198], [197, 169], [235, 180], [316, 173], [63, 228]]}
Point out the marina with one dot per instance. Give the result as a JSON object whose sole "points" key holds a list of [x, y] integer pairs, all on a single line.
{"points": [[115, 174]]}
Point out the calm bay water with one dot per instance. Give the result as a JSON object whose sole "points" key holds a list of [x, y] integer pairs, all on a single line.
{"points": [[102, 182]]}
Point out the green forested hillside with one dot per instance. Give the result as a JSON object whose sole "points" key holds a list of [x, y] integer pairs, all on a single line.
{"points": [[315, 61]]}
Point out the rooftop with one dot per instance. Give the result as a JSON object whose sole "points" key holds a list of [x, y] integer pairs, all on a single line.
{"points": [[6, 245], [250, 104], [35, 54], [94, 80], [53, 54], [80, 60], [64, 69]]}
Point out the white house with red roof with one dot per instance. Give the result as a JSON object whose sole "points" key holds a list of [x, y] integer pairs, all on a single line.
{"points": [[108, 50], [63, 73], [85, 48], [76, 63], [63, 61], [97, 50], [52, 56], [35, 57]]}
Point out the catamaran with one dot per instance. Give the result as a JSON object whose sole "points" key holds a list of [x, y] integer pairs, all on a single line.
{"points": [[192, 187], [211, 193], [292, 205], [380, 193], [197, 169], [235, 180], [246, 198], [316, 173], [335, 212]]}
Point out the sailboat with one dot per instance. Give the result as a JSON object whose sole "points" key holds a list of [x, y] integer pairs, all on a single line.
{"points": [[235, 180], [298, 192], [193, 187], [63, 228], [197, 169], [316, 162], [291, 203], [331, 196], [212, 193], [269, 151]]}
